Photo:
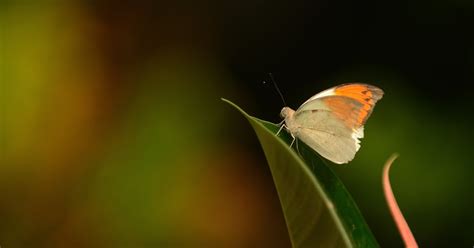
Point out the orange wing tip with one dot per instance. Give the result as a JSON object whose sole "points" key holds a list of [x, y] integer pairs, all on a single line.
{"points": [[367, 95], [361, 92]]}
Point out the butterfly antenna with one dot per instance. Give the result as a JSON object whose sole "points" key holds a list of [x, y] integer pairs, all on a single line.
{"points": [[277, 89]]}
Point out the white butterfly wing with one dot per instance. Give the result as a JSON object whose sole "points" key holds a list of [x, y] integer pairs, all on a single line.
{"points": [[328, 136], [332, 121]]}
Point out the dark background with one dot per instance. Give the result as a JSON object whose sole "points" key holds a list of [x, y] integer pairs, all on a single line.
{"points": [[115, 135]]}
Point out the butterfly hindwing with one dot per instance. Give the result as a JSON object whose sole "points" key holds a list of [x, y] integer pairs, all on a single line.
{"points": [[327, 135]]}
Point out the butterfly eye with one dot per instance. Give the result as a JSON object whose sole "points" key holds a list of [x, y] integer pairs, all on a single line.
{"points": [[284, 112]]}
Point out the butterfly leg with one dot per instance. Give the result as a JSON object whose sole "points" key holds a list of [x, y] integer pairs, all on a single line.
{"points": [[281, 128], [293, 141], [297, 148]]}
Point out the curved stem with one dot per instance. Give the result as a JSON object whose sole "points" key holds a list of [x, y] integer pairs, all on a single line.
{"points": [[402, 225]]}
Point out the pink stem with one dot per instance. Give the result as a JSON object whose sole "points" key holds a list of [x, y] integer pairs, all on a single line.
{"points": [[397, 215]]}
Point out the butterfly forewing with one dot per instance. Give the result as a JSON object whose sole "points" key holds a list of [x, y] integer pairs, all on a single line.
{"points": [[331, 122]]}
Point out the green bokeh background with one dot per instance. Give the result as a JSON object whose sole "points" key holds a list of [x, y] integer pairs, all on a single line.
{"points": [[113, 134]]}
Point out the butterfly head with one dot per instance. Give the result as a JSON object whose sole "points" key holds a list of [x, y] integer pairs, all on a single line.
{"points": [[286, 112]]}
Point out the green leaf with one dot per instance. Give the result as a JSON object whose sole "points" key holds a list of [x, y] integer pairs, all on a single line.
{"points": [[318, 210]]}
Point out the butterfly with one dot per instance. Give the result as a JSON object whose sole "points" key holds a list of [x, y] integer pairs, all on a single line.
{"points": [[332, 121]]}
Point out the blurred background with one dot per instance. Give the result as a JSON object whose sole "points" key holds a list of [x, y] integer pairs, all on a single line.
{"points": [[113, 132]]}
